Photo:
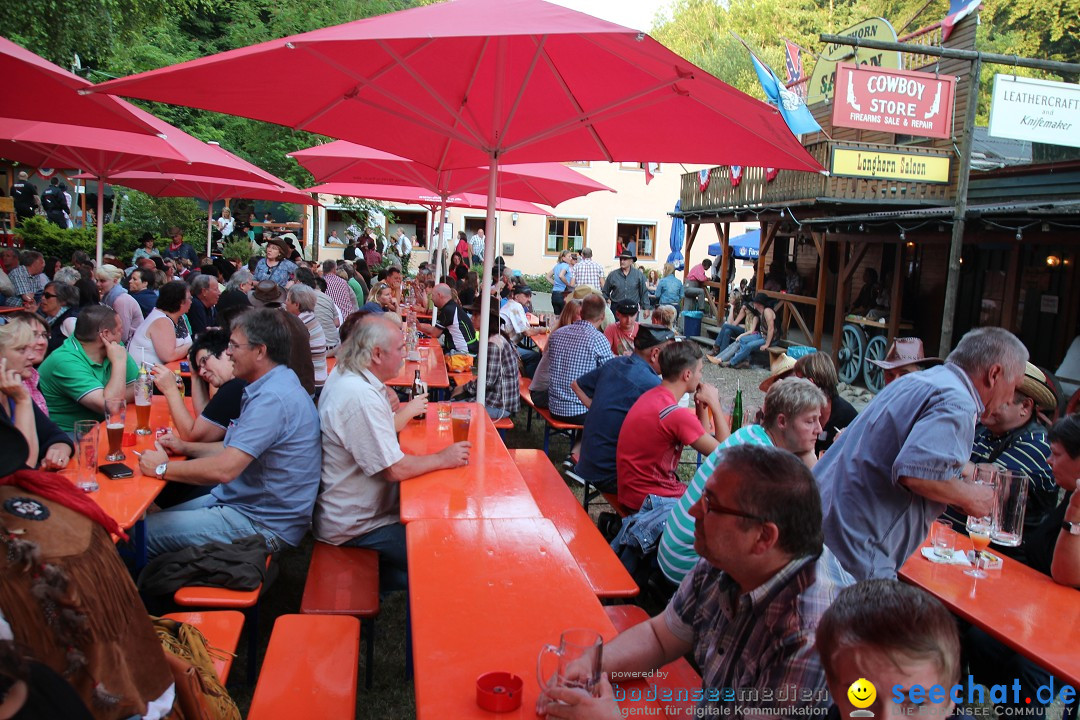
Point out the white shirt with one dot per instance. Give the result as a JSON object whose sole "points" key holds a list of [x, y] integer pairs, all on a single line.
{"points": [[513, 314], [476, 244], [404, 245], [226, 225], [358, 442]]}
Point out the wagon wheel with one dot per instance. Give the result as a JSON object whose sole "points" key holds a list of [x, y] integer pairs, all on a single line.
{"points": [[852, 350], [872, 374]]}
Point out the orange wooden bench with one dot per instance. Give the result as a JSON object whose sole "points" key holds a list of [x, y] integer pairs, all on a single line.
{"points": [[221, 598], [602, 568], [345, 581], [679, 674], [309, 670], [552, 426], [222, 629]]}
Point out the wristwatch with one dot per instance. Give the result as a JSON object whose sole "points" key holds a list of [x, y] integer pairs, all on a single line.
{"points": [[1073, 528], [160, 470]]}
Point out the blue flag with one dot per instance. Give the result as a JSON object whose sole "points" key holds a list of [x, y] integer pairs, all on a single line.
{"points": [[796, 114]]}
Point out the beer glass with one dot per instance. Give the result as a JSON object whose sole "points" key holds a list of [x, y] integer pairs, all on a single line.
{"points": [[460, 420], [115, 415], [1012, 492], [144, 392], [580, 654], [86, 454], [985, 475]]}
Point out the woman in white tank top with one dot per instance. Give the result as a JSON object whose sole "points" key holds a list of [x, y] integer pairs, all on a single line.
{"points": [[164, 336]]}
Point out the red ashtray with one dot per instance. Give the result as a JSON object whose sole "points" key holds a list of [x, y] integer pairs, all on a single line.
{"points": [[129, 439], [499, 691]]}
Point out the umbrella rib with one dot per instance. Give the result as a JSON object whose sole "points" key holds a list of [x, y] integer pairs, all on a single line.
{"points": [[540, 51], [465, 98], [573, 101]]}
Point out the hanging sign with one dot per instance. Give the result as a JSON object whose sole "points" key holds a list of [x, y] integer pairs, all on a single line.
{"points": [[896, 101], [890, 165], [1042, 111], [823, 79]]}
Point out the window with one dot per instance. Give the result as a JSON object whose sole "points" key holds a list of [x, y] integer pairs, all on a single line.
{"points": [[639, 237], [653, 167], [565, 234]]}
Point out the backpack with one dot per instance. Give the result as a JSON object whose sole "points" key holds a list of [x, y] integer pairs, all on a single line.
{"points": [[52, 200]]}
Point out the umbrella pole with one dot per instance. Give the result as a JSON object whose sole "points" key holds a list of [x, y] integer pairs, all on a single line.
{"points": [[100, 219], [438, 240], [485, 285], [209, 225]]}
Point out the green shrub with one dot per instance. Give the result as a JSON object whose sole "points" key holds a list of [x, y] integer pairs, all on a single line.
{"points": [[239, 249], [538, 283], [53, 241], [145, 213]]}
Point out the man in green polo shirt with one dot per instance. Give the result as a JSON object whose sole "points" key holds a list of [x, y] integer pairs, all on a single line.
{"points": [[90, 366]]}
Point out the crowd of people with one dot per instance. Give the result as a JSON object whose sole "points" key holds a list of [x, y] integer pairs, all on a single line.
{"points": [[779, 556]]}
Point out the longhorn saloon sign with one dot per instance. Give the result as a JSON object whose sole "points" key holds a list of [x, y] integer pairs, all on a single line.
{"points": [[895, 101]]}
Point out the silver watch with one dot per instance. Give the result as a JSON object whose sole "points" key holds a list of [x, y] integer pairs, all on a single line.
{"points": [[160, 470], [1073, 528]]}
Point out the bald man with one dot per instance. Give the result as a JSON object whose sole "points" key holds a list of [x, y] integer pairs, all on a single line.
{"points": [[452, 324]]}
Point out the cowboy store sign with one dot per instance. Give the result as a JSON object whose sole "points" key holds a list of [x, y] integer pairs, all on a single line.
{"points": [[896, 101]]}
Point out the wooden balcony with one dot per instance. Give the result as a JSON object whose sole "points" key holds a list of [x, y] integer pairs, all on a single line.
{"points": [[803, 188]]}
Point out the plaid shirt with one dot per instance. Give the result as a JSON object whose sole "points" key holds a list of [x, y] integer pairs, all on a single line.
{"points": [[575, 350], [24, 285], [589, 272], [764, 639], [342, 295], [503, 377]]}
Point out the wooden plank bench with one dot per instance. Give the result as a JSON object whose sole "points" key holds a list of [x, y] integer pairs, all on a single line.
{"points": [[679, 675], [309, 670], [602, 568], [345, 581], [222, 629], [552, 426]]}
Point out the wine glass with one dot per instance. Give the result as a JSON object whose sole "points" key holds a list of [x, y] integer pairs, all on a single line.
{"points": [[980, 540]]}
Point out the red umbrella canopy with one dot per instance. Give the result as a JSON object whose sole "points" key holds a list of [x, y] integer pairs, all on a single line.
{"points": [[422, 196], [210, 189], [456, 84], [35, 89], [346, 162]]}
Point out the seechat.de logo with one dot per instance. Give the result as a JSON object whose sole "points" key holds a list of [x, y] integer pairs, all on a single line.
{"points": [[862, 694]]}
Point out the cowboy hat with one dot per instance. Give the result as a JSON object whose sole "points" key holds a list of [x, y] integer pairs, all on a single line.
{"points": [[266, 292], [627, 255], [281, 245], [1035, 386], [904, 352], [289, 238], [782, 367]]}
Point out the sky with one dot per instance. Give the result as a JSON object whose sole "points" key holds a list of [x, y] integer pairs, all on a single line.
{"points": [[636, 14]]}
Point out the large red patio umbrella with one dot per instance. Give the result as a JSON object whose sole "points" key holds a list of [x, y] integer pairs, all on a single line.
{"points": [[341, 161], [208, 189], [484, 82]]}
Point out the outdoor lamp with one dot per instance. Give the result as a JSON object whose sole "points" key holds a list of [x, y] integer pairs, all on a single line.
{"points": [[1053, 260], [514, 218]]}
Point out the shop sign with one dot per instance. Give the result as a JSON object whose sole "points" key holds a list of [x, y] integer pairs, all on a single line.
{"points": [[895, 101], [890, 165], [1042, 111], [823, 79]]}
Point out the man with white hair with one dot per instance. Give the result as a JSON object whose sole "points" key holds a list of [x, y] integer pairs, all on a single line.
{"points": [[362, 463], [204, 298], [451, 323], [893, 471], [25, 196]]}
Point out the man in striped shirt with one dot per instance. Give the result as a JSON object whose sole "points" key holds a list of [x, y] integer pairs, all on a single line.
{"points": [[338, 289], [749, 609], [792, 422]]}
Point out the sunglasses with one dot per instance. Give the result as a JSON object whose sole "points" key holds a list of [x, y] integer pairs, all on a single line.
{"points": [[48, 295], [711, 506]]}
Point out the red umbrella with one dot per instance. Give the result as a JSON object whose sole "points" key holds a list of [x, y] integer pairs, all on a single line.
{"points": [[209, 189], [481, 82], [35, 89]]}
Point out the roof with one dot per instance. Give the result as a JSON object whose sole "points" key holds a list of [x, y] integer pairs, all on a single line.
{"points": [[992, 153], [1037, 209]]}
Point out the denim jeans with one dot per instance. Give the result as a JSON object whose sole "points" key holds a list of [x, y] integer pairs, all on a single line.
{"points": [[496, 413], [529, 359], [389, 542], [727, 331], [747, 345], [198, 522]]}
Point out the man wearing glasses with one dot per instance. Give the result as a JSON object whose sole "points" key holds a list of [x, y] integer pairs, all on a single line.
{"points": [[749, 609], [264, 475]]}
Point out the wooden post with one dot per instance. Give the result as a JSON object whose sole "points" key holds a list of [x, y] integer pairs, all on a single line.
{"points": [[823, 278], [841, 300], [724, 233], [896, 298], [1011, 296]]}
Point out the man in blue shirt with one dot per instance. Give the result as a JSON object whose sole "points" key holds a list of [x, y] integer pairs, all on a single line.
{"points": [[609, 392], [264, 474]]}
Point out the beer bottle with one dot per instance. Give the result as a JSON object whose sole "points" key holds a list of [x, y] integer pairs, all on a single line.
{"points": [[736, 410], [418, 389]]}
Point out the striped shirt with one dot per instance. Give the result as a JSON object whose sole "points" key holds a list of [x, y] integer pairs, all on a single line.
{"points": [[746, 643], [317, 340], [1029, 453], [676, 553]]}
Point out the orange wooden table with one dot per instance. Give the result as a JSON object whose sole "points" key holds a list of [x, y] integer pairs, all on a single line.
{"points": [[432, 369], [175, 367], [1016, 605], [486, 595], [490, 486], [540, 340]]}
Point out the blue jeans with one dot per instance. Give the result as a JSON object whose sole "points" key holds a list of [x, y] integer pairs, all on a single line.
{"points": [[389, 542], [747, 345], [198, 522], [529, 359], [727, 331]]}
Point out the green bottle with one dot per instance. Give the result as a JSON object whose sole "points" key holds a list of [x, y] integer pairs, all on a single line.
{"points": [[736, 410]]}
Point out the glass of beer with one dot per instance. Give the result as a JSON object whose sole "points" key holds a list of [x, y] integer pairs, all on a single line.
{"points": [[460, 420], [115, 415], [86, 452], [144, 392]]}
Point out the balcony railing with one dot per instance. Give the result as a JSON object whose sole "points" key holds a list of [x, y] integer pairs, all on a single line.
{"points": [[795, 188]]}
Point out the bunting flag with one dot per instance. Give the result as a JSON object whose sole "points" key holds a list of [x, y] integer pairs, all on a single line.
{"points": [[650, 170], [770, 174], [703, 178], [736, 175], [798, 117], [958, 10]]}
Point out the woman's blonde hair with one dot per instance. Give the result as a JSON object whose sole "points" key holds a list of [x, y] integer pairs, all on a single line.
{"points": [[109, 272], [664, 315], [669, 269], [15, 335]]}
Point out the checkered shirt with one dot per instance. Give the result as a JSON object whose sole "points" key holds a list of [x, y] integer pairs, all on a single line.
{"points": [[575, 350], [342, 295]]}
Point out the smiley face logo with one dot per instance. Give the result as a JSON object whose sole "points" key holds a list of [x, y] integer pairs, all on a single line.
{"points": [[862, 693]]}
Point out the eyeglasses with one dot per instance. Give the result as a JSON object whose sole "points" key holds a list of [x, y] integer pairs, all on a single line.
{"points": [[233, 346], [711, 506], [48, 295]]}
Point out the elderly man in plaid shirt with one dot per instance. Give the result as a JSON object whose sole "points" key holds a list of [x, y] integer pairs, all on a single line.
{"points": [[338, 289], [588, 271], [575, 350], [749, 609]]}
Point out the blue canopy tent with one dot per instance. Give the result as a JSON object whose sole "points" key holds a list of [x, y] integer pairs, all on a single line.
{"points": [[744, 246], [678, 231]]}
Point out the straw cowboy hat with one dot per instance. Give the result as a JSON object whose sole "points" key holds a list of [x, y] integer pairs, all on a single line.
{"points": [[782, 367], [904, 352], [1036, 387]]}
